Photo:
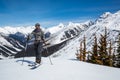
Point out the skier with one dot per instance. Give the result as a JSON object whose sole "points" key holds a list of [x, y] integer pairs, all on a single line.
{"points": [[38, 42]]}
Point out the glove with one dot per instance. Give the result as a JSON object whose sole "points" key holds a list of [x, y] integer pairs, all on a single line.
{"points": [[44, 42], [47, 44]]}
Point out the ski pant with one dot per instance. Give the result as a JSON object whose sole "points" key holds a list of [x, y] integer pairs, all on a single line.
{"points": [[38, 47]]}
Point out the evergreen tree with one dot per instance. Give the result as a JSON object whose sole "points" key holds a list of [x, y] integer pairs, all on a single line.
{"points": [[103, 48], [118, 55], [101, 53], [94, 51], [81, 52], [77, 54], [84, 49], [110, 60]]}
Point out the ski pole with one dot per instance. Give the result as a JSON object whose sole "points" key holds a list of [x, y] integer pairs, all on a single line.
{"points": [[25, 52], [49, 57]]}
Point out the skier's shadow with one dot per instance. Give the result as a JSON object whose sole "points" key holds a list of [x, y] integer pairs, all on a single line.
{"points": [[26, 61]]}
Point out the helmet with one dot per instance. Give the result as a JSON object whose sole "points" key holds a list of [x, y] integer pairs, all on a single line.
{"points": [[37, 24]]}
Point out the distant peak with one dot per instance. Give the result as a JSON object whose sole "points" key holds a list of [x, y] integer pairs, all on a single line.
{"points": [[105, 15], [118, 11], [70, 24], [88, 22], [61, 25]]}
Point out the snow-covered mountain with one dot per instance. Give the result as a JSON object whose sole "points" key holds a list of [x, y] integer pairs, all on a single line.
{"points": [[12, 40], [55, 29], [65, 67], [9, 46], [108, 20], [14, 37], [73, 33], [68, 31], [13, 30]]}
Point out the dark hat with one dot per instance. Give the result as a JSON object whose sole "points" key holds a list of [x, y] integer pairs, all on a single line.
{"points": [[37, 24]]}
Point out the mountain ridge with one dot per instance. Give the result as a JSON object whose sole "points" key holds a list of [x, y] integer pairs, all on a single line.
{"points": [[62, 32]]}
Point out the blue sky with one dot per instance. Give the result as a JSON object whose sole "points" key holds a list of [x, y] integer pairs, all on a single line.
{"points": [[53, 12]]}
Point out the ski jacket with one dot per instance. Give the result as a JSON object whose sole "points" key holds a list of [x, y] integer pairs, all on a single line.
{"points": [[38, 34]]}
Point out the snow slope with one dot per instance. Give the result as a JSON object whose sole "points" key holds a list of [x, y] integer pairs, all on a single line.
{"points": [[9, 47], [62, 69], [14, 37], [108, 20], [69, 31], [66, 67]]}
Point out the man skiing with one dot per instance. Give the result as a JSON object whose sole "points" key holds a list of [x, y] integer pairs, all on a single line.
{"points": [[38, 42]]}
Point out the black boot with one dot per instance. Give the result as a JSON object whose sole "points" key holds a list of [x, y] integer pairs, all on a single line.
{"points": [[38, 61]]}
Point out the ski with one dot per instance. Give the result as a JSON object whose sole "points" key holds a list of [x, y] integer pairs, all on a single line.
{"points": [[34, 66], [30, 65]]}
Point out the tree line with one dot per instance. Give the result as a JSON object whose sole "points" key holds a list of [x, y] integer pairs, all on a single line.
{"points": [[102, 52]]}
